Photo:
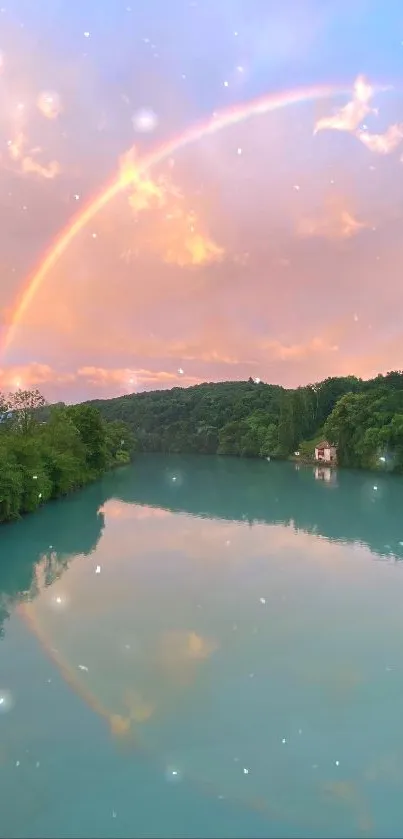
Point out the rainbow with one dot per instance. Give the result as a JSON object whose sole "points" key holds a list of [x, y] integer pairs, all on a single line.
{"points": [[220, 120]]}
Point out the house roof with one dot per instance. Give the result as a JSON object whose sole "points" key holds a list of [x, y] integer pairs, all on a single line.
{"points": [[324, 444]]}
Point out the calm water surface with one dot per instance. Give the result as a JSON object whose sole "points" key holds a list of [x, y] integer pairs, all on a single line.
{"points": [[205, 647]]}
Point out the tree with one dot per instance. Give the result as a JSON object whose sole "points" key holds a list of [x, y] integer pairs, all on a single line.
{"points": [[3, 403], [39, 461], [63, 452], [24, 404], [4, 413], [88, 422], [287, 429], [11, 486], [120, 442], [269, 447], [230, 437]]}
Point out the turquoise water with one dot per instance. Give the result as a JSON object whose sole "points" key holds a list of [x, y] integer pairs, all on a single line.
{"points": [[205, 647]]}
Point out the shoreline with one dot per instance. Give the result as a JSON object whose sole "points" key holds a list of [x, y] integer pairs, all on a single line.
{"points": [[299, 461]]}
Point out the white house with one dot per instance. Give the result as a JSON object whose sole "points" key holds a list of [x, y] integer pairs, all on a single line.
{"points": [[325, 452]]}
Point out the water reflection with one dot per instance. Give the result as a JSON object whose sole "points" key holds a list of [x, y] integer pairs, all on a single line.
{"points": [[221, 627], [325, 474], [107, 632], [53, 536], [225, 489]]}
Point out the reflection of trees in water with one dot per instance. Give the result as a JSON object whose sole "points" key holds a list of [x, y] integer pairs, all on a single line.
{"points": [[52, 536], [53, 567], [210, 486], [230, 490], [4, 615], [361, 508]]}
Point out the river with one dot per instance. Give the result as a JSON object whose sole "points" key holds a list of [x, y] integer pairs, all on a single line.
{"points": [[203, 646]]}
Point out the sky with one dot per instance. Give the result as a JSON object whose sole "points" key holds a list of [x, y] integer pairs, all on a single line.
{"points": [[254, 227]]}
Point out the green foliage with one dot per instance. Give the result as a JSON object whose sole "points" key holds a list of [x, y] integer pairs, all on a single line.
{"points": [[306, 448], [91, 428], [193, 419], [11, 485], [249, 419], [368, 426], [24, 404], [43, 459], [46, 451], [120, 442]]}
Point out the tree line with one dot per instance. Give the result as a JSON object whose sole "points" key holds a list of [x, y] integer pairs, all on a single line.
{"points": [[47, 452], [363, 418]]}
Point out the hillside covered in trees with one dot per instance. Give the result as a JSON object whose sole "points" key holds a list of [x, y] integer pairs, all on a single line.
{"points": [[49, 452], [252, 419]]}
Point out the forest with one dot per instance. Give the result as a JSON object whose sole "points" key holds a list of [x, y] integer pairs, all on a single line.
{"points": [[364, 418], [47, 452], [50, 451]]}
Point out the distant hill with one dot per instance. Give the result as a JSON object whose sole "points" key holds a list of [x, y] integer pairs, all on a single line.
{"points": [[254, 419]]}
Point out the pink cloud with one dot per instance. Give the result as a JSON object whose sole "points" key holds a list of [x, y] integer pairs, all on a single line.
{"points": [[335, 223], [109, 380], [351, 115], [383, 143]]}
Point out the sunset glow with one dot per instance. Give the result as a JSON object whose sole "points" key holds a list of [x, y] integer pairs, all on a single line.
{"points": [[206, 254]]}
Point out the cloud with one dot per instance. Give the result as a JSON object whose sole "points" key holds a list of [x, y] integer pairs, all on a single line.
{"points": [[336, 222], [109, 320], [24, 160], [49, 104], [177, 234], [32, 375], [31, 166], [16, 146], [197, 351], [129, 380], [296, 352], [383, 143], [116, 380], [114, 509], [178, 646], [351, 115], [191, 246], [19, 120]]}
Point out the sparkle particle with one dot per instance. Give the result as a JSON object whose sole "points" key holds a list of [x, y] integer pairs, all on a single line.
{"points": [[6, 701], [145, 121]]}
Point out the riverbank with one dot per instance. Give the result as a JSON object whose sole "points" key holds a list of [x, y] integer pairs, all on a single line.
{"points": [[42, 461], [49, 452]]}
